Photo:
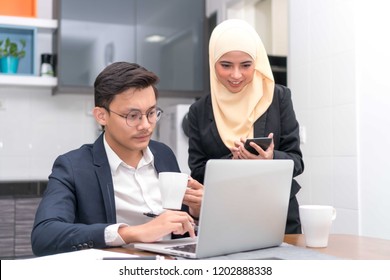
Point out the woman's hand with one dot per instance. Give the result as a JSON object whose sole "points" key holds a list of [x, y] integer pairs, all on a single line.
{"points": [[239, 152], [177, 222], [193, 197]]}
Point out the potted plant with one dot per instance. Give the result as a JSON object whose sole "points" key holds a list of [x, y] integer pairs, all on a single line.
{"points": [[10, 53]]}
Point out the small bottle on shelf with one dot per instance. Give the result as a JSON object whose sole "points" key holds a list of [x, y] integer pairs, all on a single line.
{"points": [[47, 65]]}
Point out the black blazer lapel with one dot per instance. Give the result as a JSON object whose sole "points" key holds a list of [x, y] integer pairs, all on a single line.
{"points": [[220, 145], [103, 173], [259, 126]]}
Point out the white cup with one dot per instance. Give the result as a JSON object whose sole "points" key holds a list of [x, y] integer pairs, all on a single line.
{"points": [[173, 186], [316, 222]]}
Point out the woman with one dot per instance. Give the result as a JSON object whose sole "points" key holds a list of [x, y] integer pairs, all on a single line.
{"points": [[244, 103]]}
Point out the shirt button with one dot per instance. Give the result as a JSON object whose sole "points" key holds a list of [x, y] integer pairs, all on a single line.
{"points": [[90, 244], [79, 247]]}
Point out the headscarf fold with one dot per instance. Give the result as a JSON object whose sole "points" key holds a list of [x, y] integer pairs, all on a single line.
{"points": [[235, 113]]}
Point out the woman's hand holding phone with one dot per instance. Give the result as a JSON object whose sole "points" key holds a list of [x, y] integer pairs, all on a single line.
{"points": [[262, 142], [262, 148]]}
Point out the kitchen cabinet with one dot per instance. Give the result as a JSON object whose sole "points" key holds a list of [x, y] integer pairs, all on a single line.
{"points": [[166, 37], [24, 23], [17, 218], [179, 57]]}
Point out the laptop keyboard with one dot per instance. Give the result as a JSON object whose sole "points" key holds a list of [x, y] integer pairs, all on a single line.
{"points": [[189, 248]]}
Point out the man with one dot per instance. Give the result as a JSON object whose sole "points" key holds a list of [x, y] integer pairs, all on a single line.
{"points": [[97, 195]]}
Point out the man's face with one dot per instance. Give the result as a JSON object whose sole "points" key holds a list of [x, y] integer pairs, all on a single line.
{"points": [[121, 137]]}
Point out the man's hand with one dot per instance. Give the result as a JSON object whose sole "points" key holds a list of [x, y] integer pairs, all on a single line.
{"points": [[168, 222], [193, 197]]}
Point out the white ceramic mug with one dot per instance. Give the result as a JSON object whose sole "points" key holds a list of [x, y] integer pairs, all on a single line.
{"points": [[316, 222], [173, 186]]}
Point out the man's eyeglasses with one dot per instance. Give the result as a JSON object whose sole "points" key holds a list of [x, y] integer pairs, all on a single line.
{"points": [[134, 117]]}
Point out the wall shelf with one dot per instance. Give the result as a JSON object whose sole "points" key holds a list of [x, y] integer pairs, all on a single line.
{"points": [[28, 34], [24, 81], [42, 24]]}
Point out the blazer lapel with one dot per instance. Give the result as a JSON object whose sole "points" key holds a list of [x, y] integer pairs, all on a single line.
{"points": [[214, 130], [259, 126], [103, 173]]}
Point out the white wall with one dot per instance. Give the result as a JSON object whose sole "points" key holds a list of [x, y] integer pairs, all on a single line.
{"points": [[35, 127], [321, 73], [338, 65], [373, 95]]}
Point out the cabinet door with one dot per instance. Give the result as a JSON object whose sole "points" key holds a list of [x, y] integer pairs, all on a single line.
{"points": [[166, 37], [7, 228], [170, 42], [25, 209], [92, 34]]}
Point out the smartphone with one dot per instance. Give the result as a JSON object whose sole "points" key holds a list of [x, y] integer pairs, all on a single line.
{"points": [[263, 142]]}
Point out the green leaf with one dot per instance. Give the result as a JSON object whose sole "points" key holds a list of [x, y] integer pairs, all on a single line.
{"points": [[12, 49], [22, 54]]}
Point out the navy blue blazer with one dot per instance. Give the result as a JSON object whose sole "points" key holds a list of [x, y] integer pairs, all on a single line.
{"points": [[79, 203]]}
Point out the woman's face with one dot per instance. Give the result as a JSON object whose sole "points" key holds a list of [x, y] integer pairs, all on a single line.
{"points": [[235, 70]]}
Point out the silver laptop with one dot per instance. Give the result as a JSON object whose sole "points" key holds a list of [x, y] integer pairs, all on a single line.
{"points": [[244, 207]]}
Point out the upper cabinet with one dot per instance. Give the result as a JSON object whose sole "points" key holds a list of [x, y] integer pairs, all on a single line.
{"points": [[167, 37]]}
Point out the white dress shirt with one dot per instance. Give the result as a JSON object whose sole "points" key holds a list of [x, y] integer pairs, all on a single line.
{"points": [[136, 192]]}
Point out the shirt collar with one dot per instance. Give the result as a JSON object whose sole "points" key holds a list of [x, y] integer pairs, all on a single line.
{"points": [[114, 160]]}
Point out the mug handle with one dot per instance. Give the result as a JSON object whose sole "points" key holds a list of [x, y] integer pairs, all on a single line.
{"points": [[334, 214]]}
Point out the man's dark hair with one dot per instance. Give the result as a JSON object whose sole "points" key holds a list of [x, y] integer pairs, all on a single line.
{"points": [[119, 77]]}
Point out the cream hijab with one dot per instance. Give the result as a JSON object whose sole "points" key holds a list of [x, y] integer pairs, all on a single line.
{"points": [[235, 113]]}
